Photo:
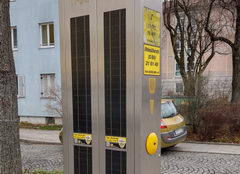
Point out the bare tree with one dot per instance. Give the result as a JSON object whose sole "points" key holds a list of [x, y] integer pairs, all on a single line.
{"points": [[55, 103], [193, 48], [227, 12], [10, 157]]}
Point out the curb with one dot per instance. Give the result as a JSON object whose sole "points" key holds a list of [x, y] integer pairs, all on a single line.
{"points": [[212, 143], [39, 142], [171, 150]]}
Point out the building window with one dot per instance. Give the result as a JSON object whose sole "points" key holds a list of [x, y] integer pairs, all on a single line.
{"points": [[179, 88], [178, 46], [47, 34], [177, 70], [21, 86], [47, 85], [14, 37]]}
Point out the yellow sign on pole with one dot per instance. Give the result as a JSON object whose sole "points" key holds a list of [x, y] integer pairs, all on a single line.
{"points": [[116, 141], [152, 32], [151, 60], [82, 138]]}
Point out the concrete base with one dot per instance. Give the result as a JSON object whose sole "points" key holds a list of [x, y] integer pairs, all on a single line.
{"points": [[41, 120]]}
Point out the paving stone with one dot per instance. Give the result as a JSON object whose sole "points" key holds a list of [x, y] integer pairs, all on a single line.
{"points": [[50, 157], [42, 157], [199, 163]]}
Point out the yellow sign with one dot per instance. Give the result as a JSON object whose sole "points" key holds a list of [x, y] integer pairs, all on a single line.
{"points": [[121, 141], [86, 137], [151, 60], [152, 24]]}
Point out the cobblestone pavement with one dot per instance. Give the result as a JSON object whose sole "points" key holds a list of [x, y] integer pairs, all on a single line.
{"points": [[50, 157], [199, 163], [42, 157]]}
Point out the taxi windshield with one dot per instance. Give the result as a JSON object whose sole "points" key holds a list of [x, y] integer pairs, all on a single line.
{"points": [[168, 109]]}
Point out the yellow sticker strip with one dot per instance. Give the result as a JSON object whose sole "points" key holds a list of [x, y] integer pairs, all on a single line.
{"points": [[111, 139], [152, 85], [121, 141], [81, 136], [152, 106]]}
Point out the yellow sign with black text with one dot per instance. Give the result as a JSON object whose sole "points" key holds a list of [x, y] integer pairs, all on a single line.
{"points": [[82, 138], [152, 24], [117, 142], [151, 60]]}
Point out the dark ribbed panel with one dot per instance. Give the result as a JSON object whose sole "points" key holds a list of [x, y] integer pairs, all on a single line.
{"points": [[81, 74], [82, 160], [115, 72], [115, 162], [81, 87]]}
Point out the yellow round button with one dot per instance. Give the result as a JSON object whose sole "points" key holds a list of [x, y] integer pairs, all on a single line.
{"points": [[152, 143]]}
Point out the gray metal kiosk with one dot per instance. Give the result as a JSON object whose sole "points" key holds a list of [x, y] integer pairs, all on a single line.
{"points": [[110, 55]]}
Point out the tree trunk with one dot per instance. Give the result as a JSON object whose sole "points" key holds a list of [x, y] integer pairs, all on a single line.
{"points": [[236, 60], [189, 87], [236, 76], [10, 157]]}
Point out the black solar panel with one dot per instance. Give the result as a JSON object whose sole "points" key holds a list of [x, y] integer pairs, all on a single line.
{"points": [[81, 87], [115, 162], [82, 160], [115, 72], [81, 74]]}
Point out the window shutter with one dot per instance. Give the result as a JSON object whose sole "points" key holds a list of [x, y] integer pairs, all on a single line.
{"points": [[47, 84], [21, 86]]}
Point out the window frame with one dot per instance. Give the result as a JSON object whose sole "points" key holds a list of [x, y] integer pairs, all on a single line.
{"points": [[182, 88], [49, 45], [13, 39], [23, 86], [177, 73], [42, 92]]}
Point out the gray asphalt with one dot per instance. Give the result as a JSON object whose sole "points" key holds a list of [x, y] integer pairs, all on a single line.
{"points": [[50, 157]]}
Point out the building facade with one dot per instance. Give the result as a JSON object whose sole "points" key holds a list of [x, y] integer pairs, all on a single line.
{"points": [[35, 43], [218, 73]]}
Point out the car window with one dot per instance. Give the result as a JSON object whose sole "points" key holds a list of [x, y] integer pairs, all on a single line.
{"points": [[168, 110]]}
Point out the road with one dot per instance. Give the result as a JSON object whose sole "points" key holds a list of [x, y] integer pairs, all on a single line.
{"points": [[50, 157], [199, 163]]}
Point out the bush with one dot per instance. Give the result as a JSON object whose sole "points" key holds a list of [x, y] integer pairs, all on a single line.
{"points": [[28, 125], [218, 118]]}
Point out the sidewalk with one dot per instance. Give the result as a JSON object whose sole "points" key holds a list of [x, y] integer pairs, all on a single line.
{"points": [[207, 148], [39, 136]]}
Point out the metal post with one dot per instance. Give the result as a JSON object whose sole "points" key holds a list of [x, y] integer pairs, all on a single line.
{"points": [[110, 55]]}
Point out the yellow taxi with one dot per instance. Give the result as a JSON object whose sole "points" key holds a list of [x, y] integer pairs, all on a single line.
{"points": [[173, 129]]}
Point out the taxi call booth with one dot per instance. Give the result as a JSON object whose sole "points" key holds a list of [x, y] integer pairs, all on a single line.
{"points": [[110, 56]]}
